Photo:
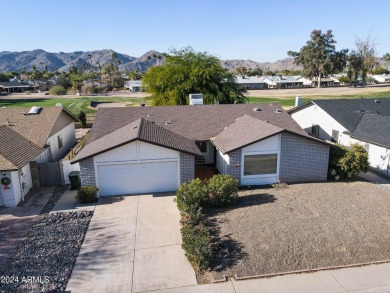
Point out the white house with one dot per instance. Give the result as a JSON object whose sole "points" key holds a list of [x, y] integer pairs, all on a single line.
{"points": [[133, 85], [347, 121], [29, 135], [251, 82], [381, 78], [282, 81]]}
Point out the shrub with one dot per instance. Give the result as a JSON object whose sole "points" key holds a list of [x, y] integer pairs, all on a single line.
{"points": [[87, 194], [346, 163], [354, 161], [222, 190], [196, 243], [190, 197], [57, 90]]}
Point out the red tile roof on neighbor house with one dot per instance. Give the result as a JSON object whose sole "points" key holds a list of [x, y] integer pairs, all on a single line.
{"points": [[15, 150], [219, 123], [141, 130]]}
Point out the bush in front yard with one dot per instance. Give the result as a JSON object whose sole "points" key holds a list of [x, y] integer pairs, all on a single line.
{"points": [[87, 194], [190, 197], [222, 190], [346, 163], [196, 243]]}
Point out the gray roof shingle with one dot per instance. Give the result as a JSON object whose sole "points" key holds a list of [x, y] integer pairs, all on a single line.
{"points": [[374, 128], [15, 150]]}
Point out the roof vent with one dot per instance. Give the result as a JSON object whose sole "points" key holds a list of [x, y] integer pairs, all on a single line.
{"points": [[135, 126], [59, 105], [278, 111], [362, 111], [34, 110], [257, 109], [196, 99], [168, 121], [377, 101]]}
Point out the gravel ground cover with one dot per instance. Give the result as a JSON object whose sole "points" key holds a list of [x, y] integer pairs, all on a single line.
{"points": [[44, 261], [300, 227]]}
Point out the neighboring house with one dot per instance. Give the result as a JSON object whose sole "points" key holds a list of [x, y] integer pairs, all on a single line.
{"points": [[383, 78], [15, 87], [133, 85], [282, 82], [251, 82], [325, 82], [347, 121], [28, 135], [154, 149]]}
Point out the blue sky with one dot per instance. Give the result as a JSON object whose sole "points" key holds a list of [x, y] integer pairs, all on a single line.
{"points": [[257, 30]]}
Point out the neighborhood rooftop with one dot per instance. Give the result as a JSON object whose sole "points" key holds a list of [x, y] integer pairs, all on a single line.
{"points": [[373, 128], [198, 123]]}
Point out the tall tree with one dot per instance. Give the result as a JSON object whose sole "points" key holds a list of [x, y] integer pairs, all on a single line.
{"points": [[365, 49], [319, 57], [185, 72], [35, 75], [76, 77], [386, 57]]}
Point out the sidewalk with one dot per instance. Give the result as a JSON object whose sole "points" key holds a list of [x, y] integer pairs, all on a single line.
{"points": [[68, 203], [374, 178], [367, 279]]}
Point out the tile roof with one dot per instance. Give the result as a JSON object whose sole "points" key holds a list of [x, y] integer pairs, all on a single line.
{"points": [[15, 150], [374, 128], [244, 131], [140, 129], [36, 128], [198, 123]]}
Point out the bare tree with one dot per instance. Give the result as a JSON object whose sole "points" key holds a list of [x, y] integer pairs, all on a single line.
{"points": [[366, 50]]}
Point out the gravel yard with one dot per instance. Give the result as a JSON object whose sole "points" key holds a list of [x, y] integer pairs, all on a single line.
{"points": [[45, 259], [300, 227]]}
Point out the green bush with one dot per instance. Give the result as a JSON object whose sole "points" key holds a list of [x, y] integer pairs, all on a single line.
{"points": [[222, 190], [196, 243], [57, 90], [87, 194], [347, 162], [190, 198]]}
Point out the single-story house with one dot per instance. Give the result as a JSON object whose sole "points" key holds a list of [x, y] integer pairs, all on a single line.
{"points": [[155, 149], [381, 78], [133, 85], [29, 135], [347, 121], [251, 82], [282, 82], [15, 87]]}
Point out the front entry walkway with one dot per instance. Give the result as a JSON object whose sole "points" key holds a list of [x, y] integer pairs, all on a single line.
{"points": [[133, 244]]}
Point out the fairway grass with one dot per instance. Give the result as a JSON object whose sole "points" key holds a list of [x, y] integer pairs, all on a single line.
{"points": [[75, 105]]}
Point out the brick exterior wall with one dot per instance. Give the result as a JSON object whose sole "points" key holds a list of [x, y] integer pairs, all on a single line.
{"points": [[187, 167], [87, 172], [302, 160], [234, 167]]}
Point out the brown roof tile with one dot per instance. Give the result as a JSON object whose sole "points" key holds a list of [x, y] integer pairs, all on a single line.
{"points": [[36, 128], [244, 131], [15, 150], [142, 130], [194, 122]]}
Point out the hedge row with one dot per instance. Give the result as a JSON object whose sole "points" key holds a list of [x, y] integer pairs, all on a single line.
{"points": [[191, 198]]}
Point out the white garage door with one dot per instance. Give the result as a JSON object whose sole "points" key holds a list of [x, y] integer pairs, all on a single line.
{"points": [[117, 179]]}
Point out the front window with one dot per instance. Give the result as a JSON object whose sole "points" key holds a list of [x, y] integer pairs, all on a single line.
{"points": [[260, 164]]}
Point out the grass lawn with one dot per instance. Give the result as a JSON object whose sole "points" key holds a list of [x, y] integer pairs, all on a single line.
{"points": [[300, 227], [75, 105]]}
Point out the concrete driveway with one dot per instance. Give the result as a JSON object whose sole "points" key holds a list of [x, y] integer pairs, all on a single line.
{"points": [[133, 244]]}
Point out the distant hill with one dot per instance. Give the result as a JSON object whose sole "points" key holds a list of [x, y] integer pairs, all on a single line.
{"points": [[10, 61]]}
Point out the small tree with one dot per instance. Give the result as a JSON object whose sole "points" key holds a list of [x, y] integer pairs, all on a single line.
{"points": [[57, 90], [35, 75]]}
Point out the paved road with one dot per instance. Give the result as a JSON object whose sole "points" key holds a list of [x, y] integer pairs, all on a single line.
{"points": [[133, 244]]}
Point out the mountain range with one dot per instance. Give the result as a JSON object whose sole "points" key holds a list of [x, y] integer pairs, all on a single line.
{"points": [[17, 61]]}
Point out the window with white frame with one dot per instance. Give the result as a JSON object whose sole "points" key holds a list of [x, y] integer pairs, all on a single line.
{"points": [[260, 164]]}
